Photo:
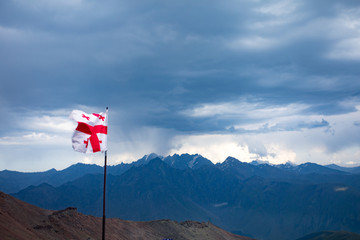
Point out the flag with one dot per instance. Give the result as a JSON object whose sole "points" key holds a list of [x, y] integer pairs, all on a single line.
{"points": [[90, 134]]}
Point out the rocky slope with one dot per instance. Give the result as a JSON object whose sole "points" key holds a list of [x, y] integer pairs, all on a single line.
{"points": [[22, 221], [332, 235]]}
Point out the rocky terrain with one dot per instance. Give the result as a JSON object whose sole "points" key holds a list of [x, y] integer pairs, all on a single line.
{"points": [[23, 221], [332, 235]]}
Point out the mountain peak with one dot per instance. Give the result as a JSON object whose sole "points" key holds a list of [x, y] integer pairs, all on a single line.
{"points": [[155, 162], [147, 158], [287, 166], [186, 160], [231, 160], [150, 157], [259, 162], [309, 167]]}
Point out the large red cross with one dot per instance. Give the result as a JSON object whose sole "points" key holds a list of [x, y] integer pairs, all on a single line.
{"points": [[92, 131]]}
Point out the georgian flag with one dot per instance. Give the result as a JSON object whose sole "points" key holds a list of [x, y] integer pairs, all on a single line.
{"points": [[90, 134]]}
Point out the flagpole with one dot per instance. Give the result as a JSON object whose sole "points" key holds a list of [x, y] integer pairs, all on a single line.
{"points": [[103, 220]]}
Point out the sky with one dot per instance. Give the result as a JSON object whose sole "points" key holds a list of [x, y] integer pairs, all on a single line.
{"points": [[274, 80]]}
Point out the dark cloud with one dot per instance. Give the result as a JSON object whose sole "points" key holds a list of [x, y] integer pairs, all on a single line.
{"points": [[153, 61], [287, 126], [140, 47]]}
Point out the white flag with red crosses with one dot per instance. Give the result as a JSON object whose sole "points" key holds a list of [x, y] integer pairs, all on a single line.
{"points": [[90, 134]]}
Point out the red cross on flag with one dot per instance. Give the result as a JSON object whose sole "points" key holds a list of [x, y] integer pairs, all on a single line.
{"points": [[90, 134]]}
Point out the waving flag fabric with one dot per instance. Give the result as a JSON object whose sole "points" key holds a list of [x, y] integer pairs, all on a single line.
{"points": [[90, 134]]}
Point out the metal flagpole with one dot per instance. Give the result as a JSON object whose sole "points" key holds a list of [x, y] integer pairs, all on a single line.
{"points": [[103, 220]]}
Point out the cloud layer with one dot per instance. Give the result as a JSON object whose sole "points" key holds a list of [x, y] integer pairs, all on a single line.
{"points": [[273, 80]]}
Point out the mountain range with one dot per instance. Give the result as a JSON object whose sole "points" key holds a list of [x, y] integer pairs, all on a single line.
{"points": [[13, 181], [259, 200]]}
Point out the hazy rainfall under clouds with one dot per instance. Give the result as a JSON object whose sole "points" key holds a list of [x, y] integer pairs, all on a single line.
{"points": [[271, 80]]}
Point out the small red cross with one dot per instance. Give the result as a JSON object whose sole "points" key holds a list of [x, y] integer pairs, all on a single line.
{"points": [[99, 116], [88, 118], [86, 142]]}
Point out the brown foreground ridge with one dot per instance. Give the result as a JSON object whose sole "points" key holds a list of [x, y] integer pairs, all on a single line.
{"points": [[23, 221]]}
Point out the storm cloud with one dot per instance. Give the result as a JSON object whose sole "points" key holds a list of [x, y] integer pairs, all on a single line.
{"points": [[270, 80]]}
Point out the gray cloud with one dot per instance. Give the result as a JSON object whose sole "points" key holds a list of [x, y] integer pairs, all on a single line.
{"points": [[153, 61]]}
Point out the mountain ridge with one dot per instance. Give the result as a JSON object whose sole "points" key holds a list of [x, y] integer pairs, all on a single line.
{"points": [[239, 204], [14, 181]]}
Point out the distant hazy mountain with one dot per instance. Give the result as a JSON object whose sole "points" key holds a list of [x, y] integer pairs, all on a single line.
{"points": [[182, 161], [185, 161], [261, 200], [146, 159], [344, 169], [13, 181], [245, 170], [308, 167]]}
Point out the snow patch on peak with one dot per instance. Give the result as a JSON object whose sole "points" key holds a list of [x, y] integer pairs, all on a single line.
{"points": [[151, 156], [193, 161], [220, 204]]}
